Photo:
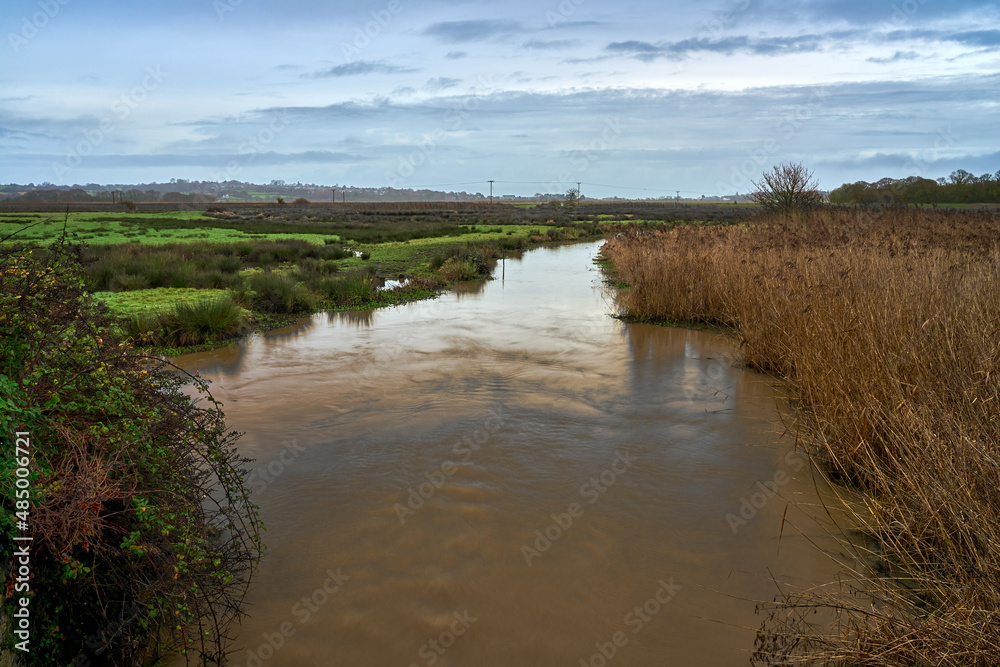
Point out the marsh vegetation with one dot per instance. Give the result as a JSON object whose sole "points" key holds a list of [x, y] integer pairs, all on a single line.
{"points": [[184, 278], [885, 326]]}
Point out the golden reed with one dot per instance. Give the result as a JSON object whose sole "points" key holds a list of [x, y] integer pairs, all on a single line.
{"points": [[885, 326]]}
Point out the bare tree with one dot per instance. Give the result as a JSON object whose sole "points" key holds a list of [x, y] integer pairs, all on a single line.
{"points": [[572, 196], [787, 186]]}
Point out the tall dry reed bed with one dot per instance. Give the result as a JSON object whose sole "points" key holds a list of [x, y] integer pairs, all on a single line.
{"points": [[886, 327]]}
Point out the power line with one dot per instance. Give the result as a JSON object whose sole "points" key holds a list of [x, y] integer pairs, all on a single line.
{"points": [[545, 184]]}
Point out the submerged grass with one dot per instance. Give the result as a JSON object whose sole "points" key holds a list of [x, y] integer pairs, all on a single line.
{"points": [[886, 326]]}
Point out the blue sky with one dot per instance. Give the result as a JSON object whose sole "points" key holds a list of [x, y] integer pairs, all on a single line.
{"points": [[632, 98]]}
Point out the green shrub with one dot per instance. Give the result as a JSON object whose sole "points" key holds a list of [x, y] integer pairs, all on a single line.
{"points": [[229, 264], [333, 252], [216, 279], [265, 260], [129, 481], [126, 282]]}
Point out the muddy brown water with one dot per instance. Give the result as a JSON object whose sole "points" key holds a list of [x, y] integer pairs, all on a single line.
{"points": [[508, 476]]}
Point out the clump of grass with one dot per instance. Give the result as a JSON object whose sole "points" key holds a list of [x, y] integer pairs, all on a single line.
{"points": [[885, 326], [195, 323], [481, 257], [277, 293], [189, 323], [142, 328], [348, 291], [332, 252], [242, 295], [265, 260], [458, 269], [308, 268], [229, 264], [127, 282]]}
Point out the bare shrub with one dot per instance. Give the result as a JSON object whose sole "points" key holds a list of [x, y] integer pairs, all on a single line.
{"points": [[787, 187]]}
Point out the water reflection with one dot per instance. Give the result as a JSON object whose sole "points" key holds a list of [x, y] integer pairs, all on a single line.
{"points": [[292, 330], [469, 287], [355, 318], [513, 455]]}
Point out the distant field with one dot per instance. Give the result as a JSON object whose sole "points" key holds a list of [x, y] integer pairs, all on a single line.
{"points": [[106, 229]]}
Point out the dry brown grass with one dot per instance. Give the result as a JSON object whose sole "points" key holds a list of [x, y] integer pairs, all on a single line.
{"points": [[886, 327]]}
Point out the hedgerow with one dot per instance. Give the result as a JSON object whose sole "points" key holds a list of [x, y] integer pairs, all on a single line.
{"points": [[144, 536]]}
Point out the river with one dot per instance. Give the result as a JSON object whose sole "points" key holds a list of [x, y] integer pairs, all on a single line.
{"points": [[506, 475]]}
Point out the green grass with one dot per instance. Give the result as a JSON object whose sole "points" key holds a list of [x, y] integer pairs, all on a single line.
{"points": [[275, 264], [409, 251], [97, 228], [149, 301]]}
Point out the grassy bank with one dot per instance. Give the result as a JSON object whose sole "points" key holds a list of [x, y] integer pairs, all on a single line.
{"points": [[185, 279], [886, 327], [181, 280]]}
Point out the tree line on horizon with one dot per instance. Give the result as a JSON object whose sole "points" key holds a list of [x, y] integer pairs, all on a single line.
{"points": [[179, 190], [961, 187]]}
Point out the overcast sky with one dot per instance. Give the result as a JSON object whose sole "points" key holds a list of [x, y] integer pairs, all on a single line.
{"points": [[632, 98]]}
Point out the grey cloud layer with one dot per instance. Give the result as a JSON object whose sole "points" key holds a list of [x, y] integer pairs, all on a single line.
{"points": [[775, 46], [360, 67], [458, 32]]}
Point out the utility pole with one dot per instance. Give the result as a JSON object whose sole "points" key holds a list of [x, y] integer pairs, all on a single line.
{"points": [[678, 195], [491, 193], [578, 194]]}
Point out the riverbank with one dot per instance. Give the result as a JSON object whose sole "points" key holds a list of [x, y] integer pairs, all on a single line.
{"points": [[443, 436], [176, 322], [197, 279], [884, 326]]}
